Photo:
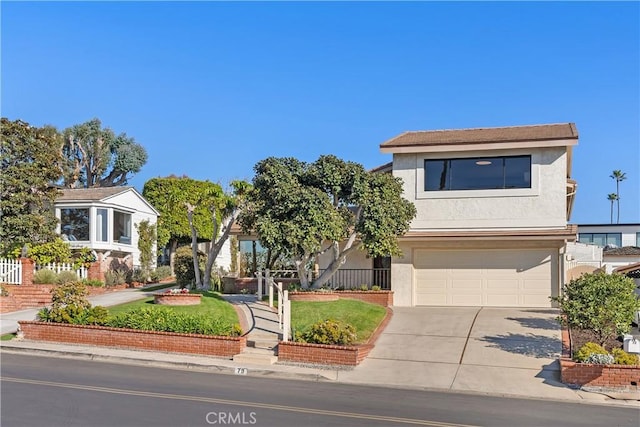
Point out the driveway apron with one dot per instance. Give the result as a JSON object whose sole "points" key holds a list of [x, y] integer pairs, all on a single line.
{"points": [[510, 351]]}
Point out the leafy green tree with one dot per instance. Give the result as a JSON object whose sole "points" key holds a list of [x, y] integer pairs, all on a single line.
{"points": [[619, 176], [603, 303], [31, 162], [147, 238], [97, 157], [192, 210], [303, 210], [170, 196]]}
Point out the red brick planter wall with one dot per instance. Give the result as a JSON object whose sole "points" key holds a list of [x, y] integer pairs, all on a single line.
{"points": [[131, 338], [313, 296], [613, 377], [383, 298], [330, 354], [323, 354], [621, 377], [177, 299], [32, 296]]}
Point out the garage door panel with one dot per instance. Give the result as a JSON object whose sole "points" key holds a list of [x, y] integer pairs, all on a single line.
{"points": [[465, 300], [462, 285], [502, 300], [500, 278]]}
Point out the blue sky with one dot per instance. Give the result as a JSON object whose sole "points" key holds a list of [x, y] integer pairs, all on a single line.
{"points": [[210, 88]]}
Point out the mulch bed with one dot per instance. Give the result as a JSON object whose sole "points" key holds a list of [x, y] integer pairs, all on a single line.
{"points": [[579, 337]]}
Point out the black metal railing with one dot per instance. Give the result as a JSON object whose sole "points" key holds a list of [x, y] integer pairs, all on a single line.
{"points": [[354, 278]]}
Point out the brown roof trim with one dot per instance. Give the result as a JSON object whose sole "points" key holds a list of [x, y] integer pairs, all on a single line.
{"points": [[544, 132], [387, 167], [625, 269], [568, 233]]}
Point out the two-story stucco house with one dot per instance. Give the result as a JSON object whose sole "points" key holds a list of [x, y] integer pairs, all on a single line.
{"points": [[104, 219], [492, 215]]}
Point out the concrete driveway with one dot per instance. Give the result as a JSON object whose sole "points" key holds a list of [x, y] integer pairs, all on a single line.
{"points": [[508, 351]]}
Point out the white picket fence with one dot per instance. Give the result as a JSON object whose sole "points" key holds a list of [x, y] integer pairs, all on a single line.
{"points": [[82, 272], [10, 271]]}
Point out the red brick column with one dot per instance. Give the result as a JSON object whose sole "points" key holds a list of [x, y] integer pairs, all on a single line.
{"points": [[28, 268], [95, 270]]}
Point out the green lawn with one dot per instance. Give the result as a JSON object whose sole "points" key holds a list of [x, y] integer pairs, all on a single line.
{"points": [[363, 316], [157, 287], [7, 337], [211, 303]]}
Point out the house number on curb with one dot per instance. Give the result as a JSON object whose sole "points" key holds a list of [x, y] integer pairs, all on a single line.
{"points": [[241, 371]]}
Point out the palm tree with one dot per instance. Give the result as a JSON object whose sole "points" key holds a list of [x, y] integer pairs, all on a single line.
{"points": [[618, 175], [612, 198]]}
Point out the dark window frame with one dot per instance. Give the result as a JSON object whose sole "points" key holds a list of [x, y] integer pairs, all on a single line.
{"points": [[588, 238], [450, 180]]}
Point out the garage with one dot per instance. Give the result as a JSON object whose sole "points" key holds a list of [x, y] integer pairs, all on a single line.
{"points": [[491, 277]]}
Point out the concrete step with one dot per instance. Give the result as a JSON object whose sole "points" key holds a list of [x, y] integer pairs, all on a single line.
{"points": [[262, 344], [256, 356]]}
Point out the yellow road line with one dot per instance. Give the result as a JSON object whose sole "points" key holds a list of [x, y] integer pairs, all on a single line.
{"points": [[234, 403]]}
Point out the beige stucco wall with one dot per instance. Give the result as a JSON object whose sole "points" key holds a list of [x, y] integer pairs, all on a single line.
{"points": [[355, 260], [542, 206]]}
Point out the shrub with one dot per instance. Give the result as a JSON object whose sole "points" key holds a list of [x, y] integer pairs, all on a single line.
{"points": [[364, 287], [45, 277], [96, 283], [70, 305], [183, 266], [600, 359], [621, 357], [139, 275], [162, 272], [603, 303], [115, 277], [167, 320], [3, 292], [66, 277], [329, 332], [375, 288], [587, 351]]}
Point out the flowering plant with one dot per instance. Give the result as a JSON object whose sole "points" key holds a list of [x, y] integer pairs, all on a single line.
{"points": [[176, 291]]}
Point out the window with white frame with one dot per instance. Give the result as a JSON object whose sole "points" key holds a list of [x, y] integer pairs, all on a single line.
{"points": [[74, 224], [121, 227], [102, 225]]}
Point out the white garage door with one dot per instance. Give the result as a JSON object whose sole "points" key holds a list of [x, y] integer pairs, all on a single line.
{"points": [[495, 278]]}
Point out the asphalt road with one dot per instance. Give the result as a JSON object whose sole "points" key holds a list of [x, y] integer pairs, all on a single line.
{"points": [[40, 391]]}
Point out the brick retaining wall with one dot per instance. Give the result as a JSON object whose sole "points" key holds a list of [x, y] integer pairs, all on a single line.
{"points": [[383, 298], [350, 355], [610, 377], [131, 338], [177, 299]]}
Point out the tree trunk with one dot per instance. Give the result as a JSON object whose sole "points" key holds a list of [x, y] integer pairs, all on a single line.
{"points": [[618, 199], [194, 245], [217, 243], [339, 258], [611, 211], [301, 267]]}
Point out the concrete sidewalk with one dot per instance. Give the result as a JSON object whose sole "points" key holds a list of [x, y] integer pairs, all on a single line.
{"points": [[9, 321], [444, 367]]}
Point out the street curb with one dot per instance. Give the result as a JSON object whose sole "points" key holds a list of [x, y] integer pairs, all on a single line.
{"points": [[250, 371]]}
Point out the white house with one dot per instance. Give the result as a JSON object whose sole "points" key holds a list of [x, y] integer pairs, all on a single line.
{"points": [[492, 215], [104, 220], [619, 244]]}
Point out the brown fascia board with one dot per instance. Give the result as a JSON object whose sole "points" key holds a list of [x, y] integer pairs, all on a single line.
{"points": [[627, 268], [569, 234], [455, 139]]}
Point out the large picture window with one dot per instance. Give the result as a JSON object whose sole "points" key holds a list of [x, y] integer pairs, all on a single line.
{"points": [[479, 173], [601, 239], [121, 227], [74, 223]]}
